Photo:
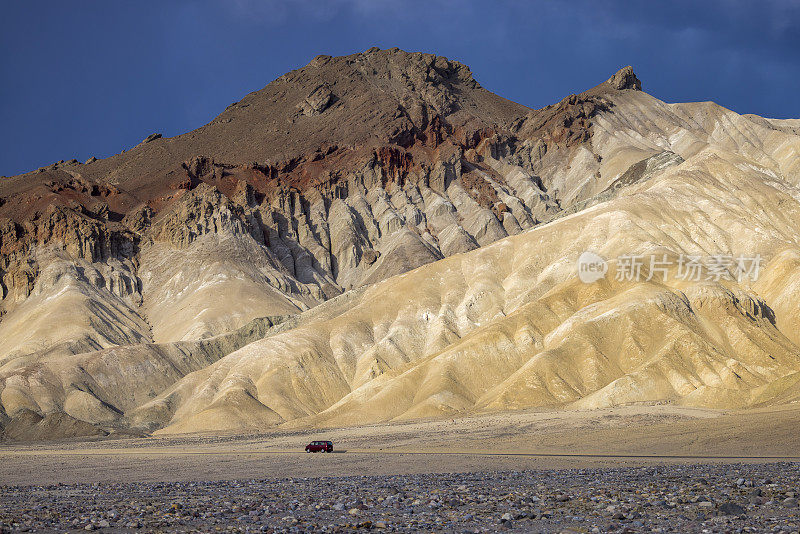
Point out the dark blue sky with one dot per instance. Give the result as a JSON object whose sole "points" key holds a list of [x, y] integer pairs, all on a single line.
{"points": [[95, 77]]}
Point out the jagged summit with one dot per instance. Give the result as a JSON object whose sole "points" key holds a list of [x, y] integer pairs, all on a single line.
{"points": [[625, 78], [377, 95], [421, 67]]}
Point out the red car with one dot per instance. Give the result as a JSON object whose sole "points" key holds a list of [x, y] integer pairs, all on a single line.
{"points": [[319, 446]]}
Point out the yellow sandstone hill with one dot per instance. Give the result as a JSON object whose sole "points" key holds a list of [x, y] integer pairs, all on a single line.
{"points": [[510, 326]]}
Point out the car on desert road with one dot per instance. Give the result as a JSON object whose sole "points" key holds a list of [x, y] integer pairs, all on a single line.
{"points": [[319, 446]]}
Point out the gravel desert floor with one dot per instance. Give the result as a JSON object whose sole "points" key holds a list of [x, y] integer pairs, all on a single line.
{"points": [[634, 469]]}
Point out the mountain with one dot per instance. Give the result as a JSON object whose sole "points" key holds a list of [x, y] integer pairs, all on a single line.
{"points": [[376, 237]]}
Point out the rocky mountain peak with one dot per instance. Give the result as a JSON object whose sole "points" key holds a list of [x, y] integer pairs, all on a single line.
{"points": [[625, 78], [427, 79], [136, 290], [416, 64]]}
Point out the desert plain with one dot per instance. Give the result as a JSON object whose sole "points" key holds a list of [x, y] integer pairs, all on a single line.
{"points": [[643, 468]]}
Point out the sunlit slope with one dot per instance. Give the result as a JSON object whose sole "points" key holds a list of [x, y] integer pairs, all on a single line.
{"points": [[509, 325]]}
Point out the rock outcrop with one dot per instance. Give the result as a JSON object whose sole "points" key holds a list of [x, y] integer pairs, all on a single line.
{"points": [[315, 103], [625, 78]]}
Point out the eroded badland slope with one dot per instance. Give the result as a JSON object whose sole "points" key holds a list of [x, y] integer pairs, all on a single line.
{"points": [[376, 237]]}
